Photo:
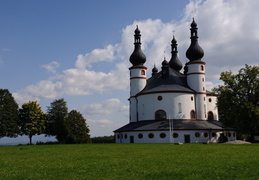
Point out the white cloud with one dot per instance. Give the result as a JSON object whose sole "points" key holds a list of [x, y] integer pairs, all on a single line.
{"points": [[51, 67], [104, 108], [97, 55], [228, 33]]}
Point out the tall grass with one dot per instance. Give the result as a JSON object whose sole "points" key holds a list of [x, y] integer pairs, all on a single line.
{"points": [[130, 161]]}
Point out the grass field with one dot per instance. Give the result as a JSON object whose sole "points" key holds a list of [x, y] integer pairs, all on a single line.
{"points": [[130, 161]]}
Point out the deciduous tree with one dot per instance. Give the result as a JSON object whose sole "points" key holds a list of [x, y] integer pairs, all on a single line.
{"points": [[78, 131], [238, 100], [32, 120], [8, 114]]}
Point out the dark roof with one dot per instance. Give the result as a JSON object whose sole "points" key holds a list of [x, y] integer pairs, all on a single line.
{"points": [[175, 82], [178, 124]]}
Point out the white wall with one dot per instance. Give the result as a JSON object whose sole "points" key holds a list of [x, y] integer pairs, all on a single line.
{"points": [[179, 139], [148, 104]]}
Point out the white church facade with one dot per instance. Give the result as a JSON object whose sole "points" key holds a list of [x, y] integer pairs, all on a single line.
{"points": [[171, 106]]}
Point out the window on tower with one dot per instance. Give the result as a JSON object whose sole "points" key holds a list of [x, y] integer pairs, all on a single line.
{"points": [[202, 68], [179, 107], [193, 115], [160, 115], [143, 72], [210, 115]]}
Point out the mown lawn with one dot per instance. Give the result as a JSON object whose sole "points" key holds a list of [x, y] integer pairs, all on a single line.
{"points": [[130, 161]]}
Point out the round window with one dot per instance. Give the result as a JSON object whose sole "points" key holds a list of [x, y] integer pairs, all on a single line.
{"points": [[213, 134], [159, 98], [175, 135], [162, 135], [197, 134], [140, 136], [151, 135], [205, 134]]}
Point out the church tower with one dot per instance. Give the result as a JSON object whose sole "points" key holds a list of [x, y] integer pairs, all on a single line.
{"points": [[195, 71], [137, 75], [174, 62]]}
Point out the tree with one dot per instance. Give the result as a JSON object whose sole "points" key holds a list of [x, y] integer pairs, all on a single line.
{"points": [[56, 114], [238, 101], [8, 114], [103, 139], [32, 120], [78, 131]]}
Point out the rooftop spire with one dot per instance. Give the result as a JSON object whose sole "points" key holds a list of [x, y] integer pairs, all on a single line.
{"points": [[175, 63], [194, 52], [137, 57], [154, 70]]}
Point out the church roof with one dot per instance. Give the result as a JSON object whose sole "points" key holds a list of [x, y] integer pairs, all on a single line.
{"points": [[174, 82], [178, 124]]}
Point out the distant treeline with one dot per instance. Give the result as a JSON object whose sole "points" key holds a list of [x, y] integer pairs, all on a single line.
{"points": [[103, 139]]}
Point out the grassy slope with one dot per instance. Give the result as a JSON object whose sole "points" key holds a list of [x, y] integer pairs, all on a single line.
{"points": [[130, 161]]}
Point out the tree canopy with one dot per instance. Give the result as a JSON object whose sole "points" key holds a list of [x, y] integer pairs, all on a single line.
{"points": [[57, 112], [67, 127], [32, 120], [8, 114], [238, 101], [78, 131]]}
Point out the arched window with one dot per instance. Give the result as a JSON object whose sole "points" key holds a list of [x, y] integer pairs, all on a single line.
{"points": [[143, 72], [210, 115], [193, 115], [160, 115], [179, 107], [202, 68]]}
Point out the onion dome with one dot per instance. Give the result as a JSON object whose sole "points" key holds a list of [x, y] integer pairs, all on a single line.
{"points": [[137, 57], [194, 52], [165, 68], [154, 70], [165, 62], [175, 63]]}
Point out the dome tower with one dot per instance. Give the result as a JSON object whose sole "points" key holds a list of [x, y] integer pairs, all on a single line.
{"points": [[195, 71], [137, 74], [174, 62]]}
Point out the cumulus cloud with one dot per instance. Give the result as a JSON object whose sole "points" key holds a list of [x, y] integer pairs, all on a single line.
{"points": [[227, 33], [104, 108], [51, 67], [97, 55]]}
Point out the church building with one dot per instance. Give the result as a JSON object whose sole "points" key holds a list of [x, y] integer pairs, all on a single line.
{"points": [[171, 106]]}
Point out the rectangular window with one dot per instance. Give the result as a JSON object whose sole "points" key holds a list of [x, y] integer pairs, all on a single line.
{"points": [[179, 107]]}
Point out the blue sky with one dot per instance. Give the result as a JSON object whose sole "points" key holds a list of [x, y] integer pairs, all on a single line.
{"points": [[79, 50]]}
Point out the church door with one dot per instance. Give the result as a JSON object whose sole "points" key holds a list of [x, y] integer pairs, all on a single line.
{"points": [[131, 139], [187, 138]]}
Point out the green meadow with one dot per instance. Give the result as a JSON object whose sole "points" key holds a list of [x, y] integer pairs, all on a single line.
{"points": [[130, 161]]}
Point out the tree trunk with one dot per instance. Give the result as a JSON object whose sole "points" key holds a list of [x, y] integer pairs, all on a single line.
{"points": [[30, 136]]}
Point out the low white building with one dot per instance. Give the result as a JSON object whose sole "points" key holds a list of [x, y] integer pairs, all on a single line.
{"points": [[170, 106]]}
